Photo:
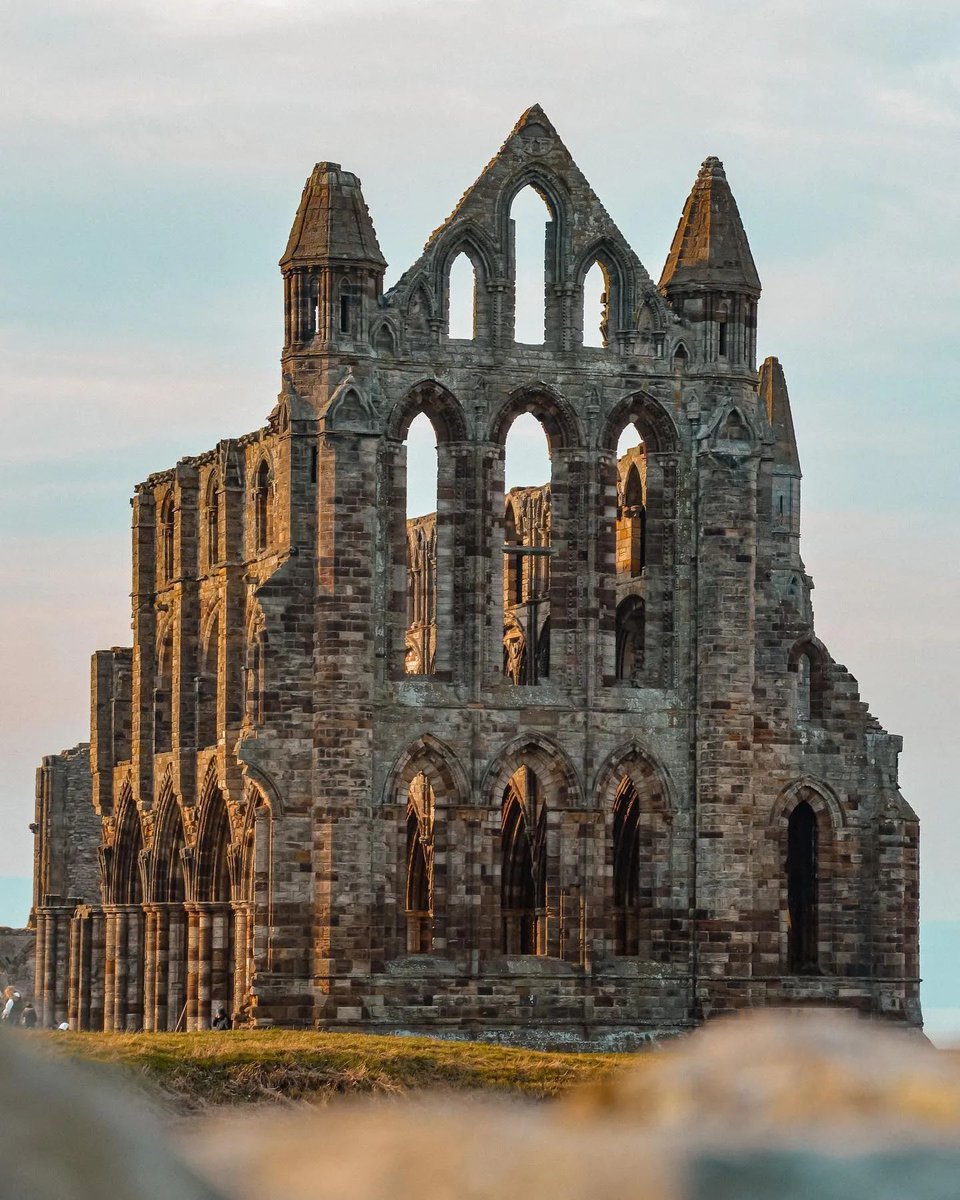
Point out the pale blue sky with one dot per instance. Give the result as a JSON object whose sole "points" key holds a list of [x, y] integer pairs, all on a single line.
{"points": [[153, 158]]}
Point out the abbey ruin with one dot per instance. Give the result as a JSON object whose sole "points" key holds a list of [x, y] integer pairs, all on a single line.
{"points": [[566, 756]]}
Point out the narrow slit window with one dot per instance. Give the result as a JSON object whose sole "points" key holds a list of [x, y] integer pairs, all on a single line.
{"points": [[420, 644], [526, 566]]}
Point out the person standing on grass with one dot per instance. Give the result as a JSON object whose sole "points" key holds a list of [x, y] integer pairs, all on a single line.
{"points": [[222, 1019], [28, 1018]]}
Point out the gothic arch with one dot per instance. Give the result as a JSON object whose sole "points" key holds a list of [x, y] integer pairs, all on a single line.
{"points": [[439, 405], [556, 196], [819, 795], [263, 781], [559, 420], [432, 758], [465, 237], [651, 419], [126, 881], [212, 860], [645, 771], [168, 883], [549, 762]]}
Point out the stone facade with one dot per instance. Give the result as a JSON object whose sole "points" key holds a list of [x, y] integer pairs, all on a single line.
{"points": [[569, 758]]}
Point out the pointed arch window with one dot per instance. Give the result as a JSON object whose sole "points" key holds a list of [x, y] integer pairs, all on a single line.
{"points": [[529, 220], [163, 698], [256, 676], [527, 537], [166, 539], [802, 891], [631, 509], [596, 307], [523, 900], [462, 299], [207, 689], [626, 868], [262, 507], [212, 521], [631, 634], [421, 535], [419, 858]]}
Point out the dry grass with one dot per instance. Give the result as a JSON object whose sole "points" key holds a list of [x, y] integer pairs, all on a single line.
{"points": [[190, 1071]]}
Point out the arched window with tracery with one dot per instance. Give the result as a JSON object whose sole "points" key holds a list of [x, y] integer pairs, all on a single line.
{"points": [[802, 891], [165, 539], [523, 896], [418, 893], [262, 507]]}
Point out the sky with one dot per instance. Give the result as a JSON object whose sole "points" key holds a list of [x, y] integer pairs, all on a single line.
{"points": [[153, 158]]}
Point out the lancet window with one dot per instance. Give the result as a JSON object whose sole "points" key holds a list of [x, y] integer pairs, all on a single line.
{"points": [[419, 864], [523, 901]]}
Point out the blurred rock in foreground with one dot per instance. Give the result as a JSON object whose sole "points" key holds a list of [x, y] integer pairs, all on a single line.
{"points": [[767, 1106], [791, 1106]]}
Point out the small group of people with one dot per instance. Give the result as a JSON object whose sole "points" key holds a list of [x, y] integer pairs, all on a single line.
{"points": [[15, 1012]]}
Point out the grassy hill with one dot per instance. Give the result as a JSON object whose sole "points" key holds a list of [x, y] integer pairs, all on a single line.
{"points": [[191, 1071]]}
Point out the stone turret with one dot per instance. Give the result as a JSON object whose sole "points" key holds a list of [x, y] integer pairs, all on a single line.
{"points": [[332, 266], [709, 277]]}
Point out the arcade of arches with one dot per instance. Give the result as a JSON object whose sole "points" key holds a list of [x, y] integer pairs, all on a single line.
{"points": [[479, 688]]}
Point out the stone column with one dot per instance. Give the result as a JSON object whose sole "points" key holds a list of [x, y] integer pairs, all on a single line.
{"points": [[109, 966], [241, 953], [177, 960], [39, 968], [192, 965], [94, 1017], [161, 971], [121, 969], [48, 1019], [221, 960], [134, 998], [204, 963], [150, 925], [74, 938]]}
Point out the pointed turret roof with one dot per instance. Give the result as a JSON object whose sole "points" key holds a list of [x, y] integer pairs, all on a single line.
{"points": [[710, 247], [775, 399], [332, 221]]}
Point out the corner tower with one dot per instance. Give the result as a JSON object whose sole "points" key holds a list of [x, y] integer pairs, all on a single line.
{"points": [[709, 277], [332, 266]]}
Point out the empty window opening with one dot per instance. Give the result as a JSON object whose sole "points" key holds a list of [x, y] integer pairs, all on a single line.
{"points": [[262, 507], [462, 299], [529, 215], [346, 307], [722, 339], [802, 887], [631, 504], [419, 858], [596, 297], [523, 896], [526, 567], [421, 548], [630, 640], [626, 869]]}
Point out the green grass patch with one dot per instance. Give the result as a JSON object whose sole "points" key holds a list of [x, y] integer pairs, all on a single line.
{"points": [[191, 1071]]}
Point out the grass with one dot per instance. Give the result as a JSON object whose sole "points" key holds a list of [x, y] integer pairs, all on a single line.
{"points": [[191, 1071]]}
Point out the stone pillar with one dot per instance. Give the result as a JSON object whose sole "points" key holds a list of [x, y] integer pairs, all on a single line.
{"points": [[48, 1018], [39, 970], [204, 956], [221, 959], [92, 1018], [109, 966], [150, 956], [241, 953], [121, 969], [74, 938], [161, 970], [133, 1017], [177, 959], [192, 966]]}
